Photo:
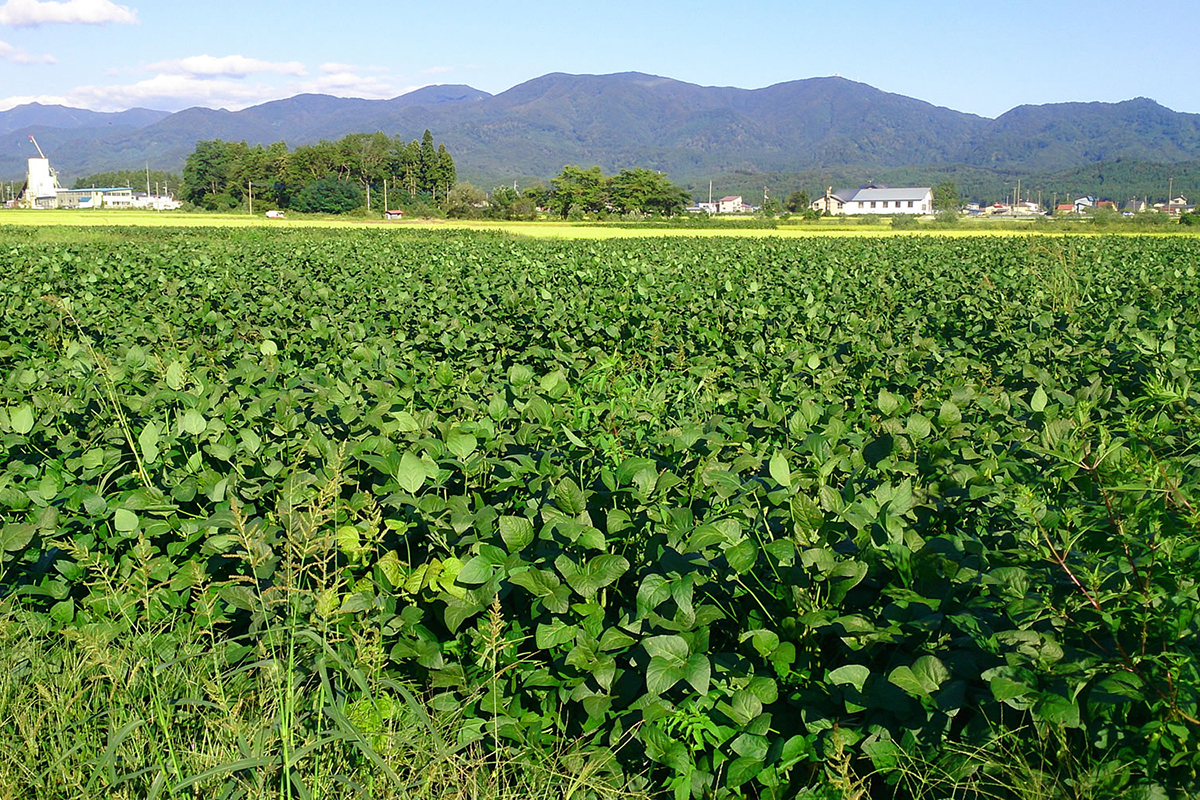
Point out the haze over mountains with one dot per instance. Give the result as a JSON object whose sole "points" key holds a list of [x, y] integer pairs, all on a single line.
{"points": [[692, 133]]}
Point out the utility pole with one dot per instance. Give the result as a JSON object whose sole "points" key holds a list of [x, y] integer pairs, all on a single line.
{"points": [[385, 203], [368, 195], [250, 189]]}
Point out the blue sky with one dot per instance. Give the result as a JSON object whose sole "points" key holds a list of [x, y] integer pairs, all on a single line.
{"points": [[979, 57]]}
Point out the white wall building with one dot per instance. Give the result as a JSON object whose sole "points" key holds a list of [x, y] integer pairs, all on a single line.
{"points": [[876, 200], [731, 204], [41, 184]]}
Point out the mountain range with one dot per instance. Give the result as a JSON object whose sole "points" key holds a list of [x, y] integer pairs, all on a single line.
{"points": [[816, 126]]}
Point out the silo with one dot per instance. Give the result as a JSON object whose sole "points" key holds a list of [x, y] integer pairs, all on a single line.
{"points": [[41, 183]]}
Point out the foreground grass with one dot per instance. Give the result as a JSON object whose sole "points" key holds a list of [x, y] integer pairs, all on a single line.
{"points": [[163, 714]]}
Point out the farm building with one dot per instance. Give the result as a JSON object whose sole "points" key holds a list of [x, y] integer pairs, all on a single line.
{"points": [[112, 197], [733, 204], [876, 200]]}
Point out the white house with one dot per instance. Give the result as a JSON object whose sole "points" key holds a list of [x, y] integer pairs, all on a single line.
{"points": [[731, 204], [876, 200]]}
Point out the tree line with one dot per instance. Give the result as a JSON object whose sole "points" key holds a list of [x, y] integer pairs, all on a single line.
{"points": [[328, 177], [572, 194]]}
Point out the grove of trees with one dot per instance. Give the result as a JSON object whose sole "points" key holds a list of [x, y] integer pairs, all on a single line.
{"points": [[578, 191], [324, 176]]}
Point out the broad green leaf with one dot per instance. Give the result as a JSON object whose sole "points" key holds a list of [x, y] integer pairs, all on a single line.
{"points": [[517, 533], [746, 706], [931, 672], [461, 445], [851, 674], [251, 441], [477, 570], [538, 582], [405, 422], [781, 473], [193, 422], [175, 376], [887, 402], [411, 473], [764, 641], [1056, 709], [390, 565], [599, 572], [949, 414], [697, 672], [349, 540], [1005, 689], [1038, 403], [16, 537], [570, 497], [148, 442], [742, 770], [672, 648], [661, 675], [268, 348], [905, 678], [125, 520], [918, 426], [742, 556], [21, 419]]}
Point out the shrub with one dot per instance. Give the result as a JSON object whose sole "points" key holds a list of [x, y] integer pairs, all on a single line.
{"points": [[328, 196]]}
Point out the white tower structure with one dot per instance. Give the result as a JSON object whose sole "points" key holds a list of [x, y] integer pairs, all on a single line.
{"points": [[41, 182]]}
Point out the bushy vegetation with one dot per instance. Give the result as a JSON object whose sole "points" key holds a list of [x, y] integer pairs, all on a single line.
{"points": [[575, 192], [290, 513], [221, 175]]}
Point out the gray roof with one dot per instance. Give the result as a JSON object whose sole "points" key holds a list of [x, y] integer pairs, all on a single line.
{"points": [[902, 193]]}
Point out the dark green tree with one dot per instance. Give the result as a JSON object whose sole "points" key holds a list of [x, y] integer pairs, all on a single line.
{"points": [[206, 171], [797, 202], [945, 197], [581, 189], [328, 196], [464, 201], [645, 191], [445, 174], [427, 165]]}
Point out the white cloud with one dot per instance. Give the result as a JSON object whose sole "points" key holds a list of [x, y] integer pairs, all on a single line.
{"points": [[22, 13], [172, 92], [437, 70], [235, 66], [166, 92], [10, 53], [334, 66], [28, 58], [349, 84], [21, 99]]}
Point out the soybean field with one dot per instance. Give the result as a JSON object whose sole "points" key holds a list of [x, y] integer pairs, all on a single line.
{"points": [[377, 513]]}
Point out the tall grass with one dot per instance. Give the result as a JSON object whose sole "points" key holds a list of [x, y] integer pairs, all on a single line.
{"points": [[123, 707]]}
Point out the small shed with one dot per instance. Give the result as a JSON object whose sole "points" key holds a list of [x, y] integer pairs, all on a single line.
{"points": [[394, 214]]}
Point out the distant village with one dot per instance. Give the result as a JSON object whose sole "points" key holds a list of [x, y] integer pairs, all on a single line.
{"points": [[42, 190], [885, 200]]}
